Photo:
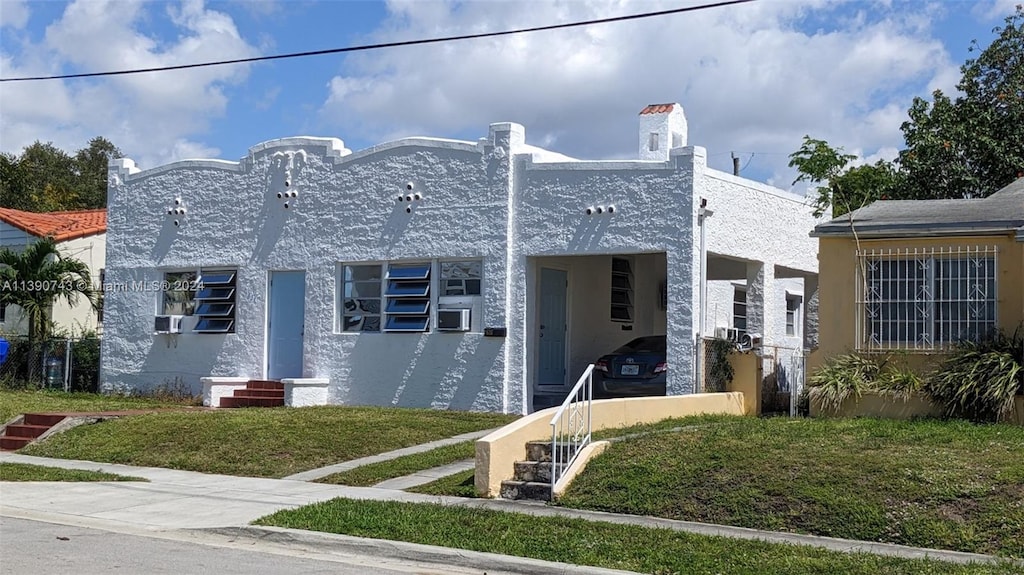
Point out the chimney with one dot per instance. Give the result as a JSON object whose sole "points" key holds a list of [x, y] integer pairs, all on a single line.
{"points": [[662, 127]]}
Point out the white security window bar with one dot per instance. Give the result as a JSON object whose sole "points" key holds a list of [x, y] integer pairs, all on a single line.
{"points": [[925, 299], [622, 290], [460, 278], [215, 302], [408, 297], [360, 305], [739, 310]]}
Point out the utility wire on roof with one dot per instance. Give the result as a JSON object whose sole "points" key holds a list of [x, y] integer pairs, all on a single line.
{"points": [[383, 45]]}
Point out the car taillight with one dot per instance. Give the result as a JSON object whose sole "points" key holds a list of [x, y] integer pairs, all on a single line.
{"points": [[663, 366], [601, 365]]}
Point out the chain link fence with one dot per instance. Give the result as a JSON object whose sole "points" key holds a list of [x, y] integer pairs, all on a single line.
{"points": [[69, 364], [716, 371], [782, 374]]}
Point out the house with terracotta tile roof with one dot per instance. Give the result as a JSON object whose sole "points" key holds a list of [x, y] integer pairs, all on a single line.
{"points": [[482, 275], [79, 234]]}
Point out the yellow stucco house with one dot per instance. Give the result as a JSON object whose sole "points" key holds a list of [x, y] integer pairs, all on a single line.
{"points": [[914, 277]]}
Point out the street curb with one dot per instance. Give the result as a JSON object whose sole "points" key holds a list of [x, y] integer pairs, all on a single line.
{"points": [[403, 551]]}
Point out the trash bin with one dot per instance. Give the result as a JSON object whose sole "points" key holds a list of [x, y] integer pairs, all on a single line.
{"points": [[53, 370], [4, 347]]}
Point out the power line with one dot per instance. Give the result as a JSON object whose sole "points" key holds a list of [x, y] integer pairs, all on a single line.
{"points": [[382, 45]]}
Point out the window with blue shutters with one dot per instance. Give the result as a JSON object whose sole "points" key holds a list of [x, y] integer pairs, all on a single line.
{"points": [[407, 297], [215, 302]]}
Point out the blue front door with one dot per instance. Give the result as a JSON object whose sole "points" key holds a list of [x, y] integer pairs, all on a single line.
{"points": [[285, 324], [551, 328]]}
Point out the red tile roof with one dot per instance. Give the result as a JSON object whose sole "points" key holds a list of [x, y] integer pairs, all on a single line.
{"points": [[63, 226], [657, 109]]}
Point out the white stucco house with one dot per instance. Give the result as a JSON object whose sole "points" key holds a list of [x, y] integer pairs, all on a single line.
{"points": [[437, 273], [79, 234]]}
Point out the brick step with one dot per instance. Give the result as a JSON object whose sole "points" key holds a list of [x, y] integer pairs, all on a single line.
{"points": [[22, 430], [14, 443], [47, 419], [533, 471], [278, 393], [512, 489], [264, 384], [246, 401]]}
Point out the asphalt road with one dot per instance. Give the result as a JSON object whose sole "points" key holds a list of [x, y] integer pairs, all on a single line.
{"points": [[37, 547]]}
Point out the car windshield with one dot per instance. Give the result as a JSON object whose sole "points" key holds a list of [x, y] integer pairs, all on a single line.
{"points": [[648, 344]]}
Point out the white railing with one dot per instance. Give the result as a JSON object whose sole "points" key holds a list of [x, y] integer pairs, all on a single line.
{"points": [[571, 425]]}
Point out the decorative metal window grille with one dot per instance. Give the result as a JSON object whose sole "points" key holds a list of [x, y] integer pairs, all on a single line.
{"points": [[407, 297], [215, 301], [925, 298], [622, 290], [460, 278], [739, 309], [360, 297]]}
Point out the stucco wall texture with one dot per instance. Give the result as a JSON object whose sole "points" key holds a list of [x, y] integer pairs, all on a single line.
{"points": [[498, 200]]}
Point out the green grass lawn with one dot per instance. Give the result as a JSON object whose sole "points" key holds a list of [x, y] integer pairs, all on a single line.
{"points": [[26, 472], [940, 484], [259, 442], [17, 402], [374, 473], [645, 550], [457, 485]]}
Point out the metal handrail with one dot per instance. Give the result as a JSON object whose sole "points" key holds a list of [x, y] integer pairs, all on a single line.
{"points": [[571, 425]]}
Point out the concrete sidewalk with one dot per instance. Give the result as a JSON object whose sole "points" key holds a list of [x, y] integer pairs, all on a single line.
{"points": [[188, 500], [313, 474]]}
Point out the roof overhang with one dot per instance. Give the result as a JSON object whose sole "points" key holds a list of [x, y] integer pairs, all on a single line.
{"points": [[919, 230]]}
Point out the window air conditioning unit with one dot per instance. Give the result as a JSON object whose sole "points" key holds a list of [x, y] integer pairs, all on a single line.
{"points": [[727, 333], [453, 319], [167, 323], [750, 341]]}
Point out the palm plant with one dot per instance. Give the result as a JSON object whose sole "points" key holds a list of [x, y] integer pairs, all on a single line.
{"points": [[842, 376], [979, 379], [36, 278]]}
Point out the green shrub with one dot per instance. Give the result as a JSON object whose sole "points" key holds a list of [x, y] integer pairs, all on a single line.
{"points": [[979, 379], [898, 381], [853, 374], [841, 377]]}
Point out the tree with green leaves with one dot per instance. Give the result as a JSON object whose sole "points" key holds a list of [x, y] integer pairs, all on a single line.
{"points": [[963, 147], [38, 277], [839, 187], [45, 178]]}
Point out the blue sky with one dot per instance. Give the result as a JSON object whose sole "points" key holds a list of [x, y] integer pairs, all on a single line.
{"points": [[753, 78]]}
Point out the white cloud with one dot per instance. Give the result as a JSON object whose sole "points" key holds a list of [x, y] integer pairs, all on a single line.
{"points": [[749, 77], [13, 14], [996, 9], [151, 117]]}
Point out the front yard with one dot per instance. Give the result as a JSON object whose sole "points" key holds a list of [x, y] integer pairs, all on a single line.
{"points": [[940, 484], [267, 442]]}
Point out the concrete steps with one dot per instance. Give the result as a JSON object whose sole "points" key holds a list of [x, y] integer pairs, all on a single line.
{"points": [[257, 393], [532, 479]]}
